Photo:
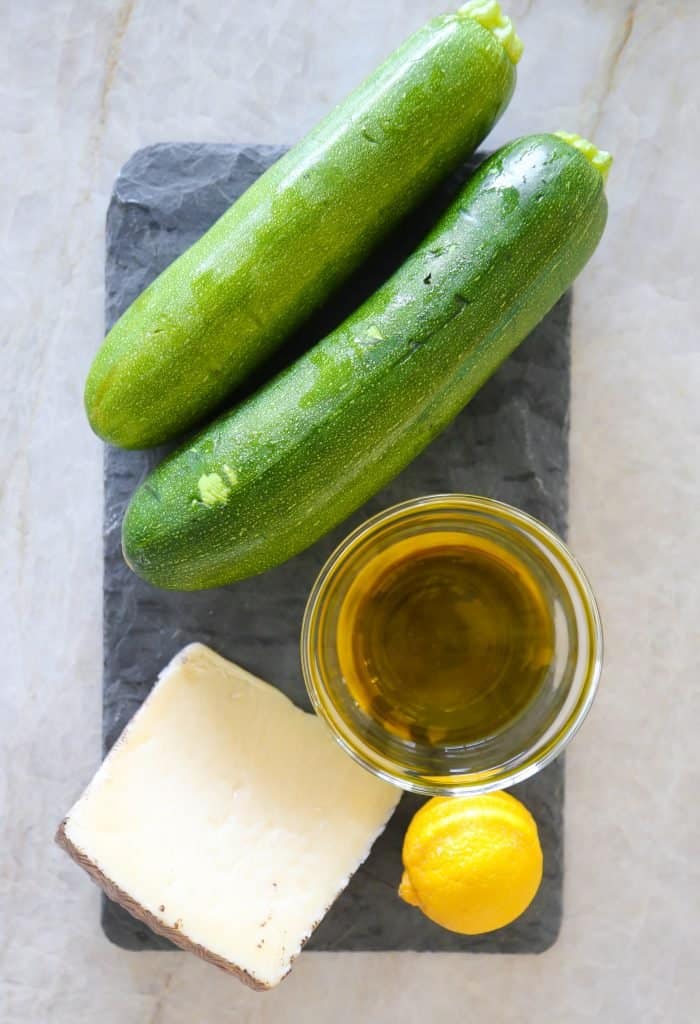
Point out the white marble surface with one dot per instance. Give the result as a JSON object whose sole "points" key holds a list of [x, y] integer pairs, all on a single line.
{"points": [[83, 85]]}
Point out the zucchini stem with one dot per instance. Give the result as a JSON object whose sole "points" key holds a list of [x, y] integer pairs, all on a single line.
{"points": [[489, 15], [598, 158]]}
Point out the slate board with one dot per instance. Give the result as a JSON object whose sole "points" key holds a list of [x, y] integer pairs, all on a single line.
{"points": [[510, 443]]}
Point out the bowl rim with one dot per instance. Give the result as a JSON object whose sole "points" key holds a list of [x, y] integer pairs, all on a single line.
{"points": [[468, 783]]}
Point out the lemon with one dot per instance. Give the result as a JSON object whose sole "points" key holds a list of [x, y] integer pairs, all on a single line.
{"points": [[472, 864]]}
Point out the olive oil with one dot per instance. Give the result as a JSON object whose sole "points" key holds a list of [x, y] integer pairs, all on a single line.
{"points": [[445, 638]]}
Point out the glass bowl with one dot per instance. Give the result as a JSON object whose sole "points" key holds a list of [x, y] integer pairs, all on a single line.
{"points": [[529, 741]]}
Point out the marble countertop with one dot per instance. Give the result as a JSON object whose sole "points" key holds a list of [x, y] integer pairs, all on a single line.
{"points": [[87, 84]]}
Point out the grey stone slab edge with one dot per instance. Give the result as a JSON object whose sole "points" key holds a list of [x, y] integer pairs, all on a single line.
{"points": [[510, 443]]}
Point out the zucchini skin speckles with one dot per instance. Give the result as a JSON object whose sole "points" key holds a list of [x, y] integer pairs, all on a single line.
{"points": [[325, 435], [221, 309]]}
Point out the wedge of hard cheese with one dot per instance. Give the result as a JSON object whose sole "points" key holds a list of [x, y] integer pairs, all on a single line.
{"points": [[226, 818]]}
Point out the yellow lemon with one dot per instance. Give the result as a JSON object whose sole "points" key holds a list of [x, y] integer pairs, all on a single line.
{"points": [[472, 864]]}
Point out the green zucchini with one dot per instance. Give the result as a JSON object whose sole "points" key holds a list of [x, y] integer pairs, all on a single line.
{"points": [[266, 480], [227, 303]]}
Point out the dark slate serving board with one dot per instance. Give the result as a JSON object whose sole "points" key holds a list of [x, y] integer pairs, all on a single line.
{"points": [[510, 443]]}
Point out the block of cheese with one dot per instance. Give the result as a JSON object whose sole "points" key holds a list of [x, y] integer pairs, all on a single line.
{"points": [[226, 818]]}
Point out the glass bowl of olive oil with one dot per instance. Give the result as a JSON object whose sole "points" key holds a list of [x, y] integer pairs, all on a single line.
{"points": [[453, 645]]}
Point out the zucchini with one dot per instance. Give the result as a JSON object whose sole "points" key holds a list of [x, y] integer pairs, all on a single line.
{"points": [[266, 480], [227, 303]]}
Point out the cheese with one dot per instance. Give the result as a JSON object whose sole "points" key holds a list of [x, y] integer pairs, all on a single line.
{"points": [[226, 818]]}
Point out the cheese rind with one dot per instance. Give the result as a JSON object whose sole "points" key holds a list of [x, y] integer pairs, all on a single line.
{"points": [[226, 818]]}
